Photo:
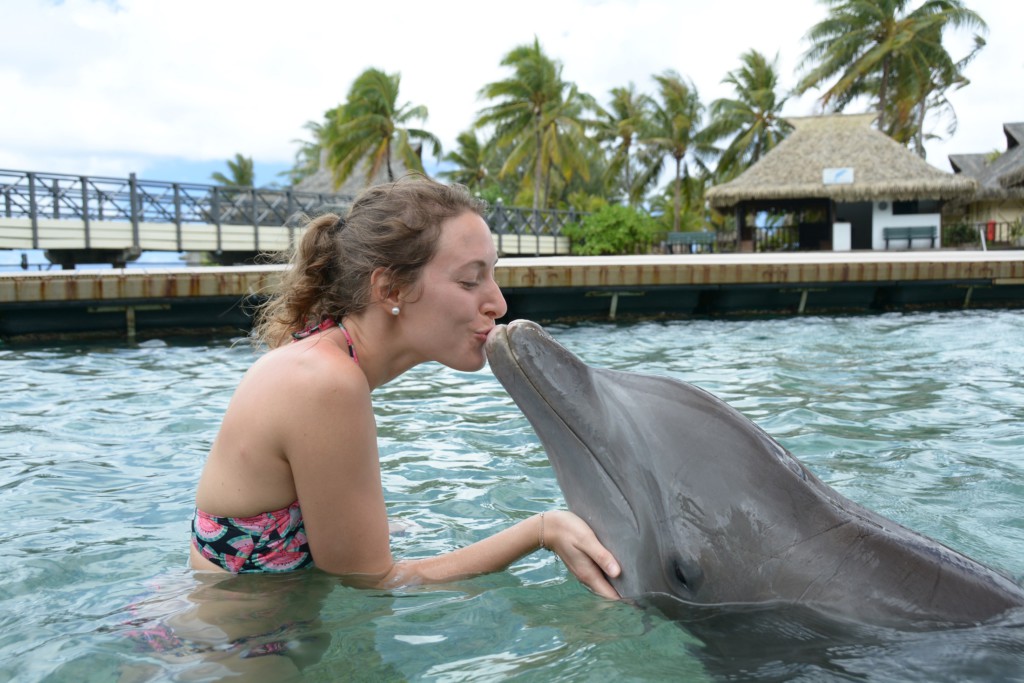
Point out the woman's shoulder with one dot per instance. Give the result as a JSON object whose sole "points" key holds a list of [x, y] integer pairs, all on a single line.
{"points": [[312, 367]]}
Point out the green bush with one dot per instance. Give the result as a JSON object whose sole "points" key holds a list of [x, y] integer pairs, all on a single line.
{"points": [[959, 233], [612, 230], [1017, 229]]}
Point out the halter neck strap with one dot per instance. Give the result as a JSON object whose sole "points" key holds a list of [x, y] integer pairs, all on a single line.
{"points": [[326, 324]]}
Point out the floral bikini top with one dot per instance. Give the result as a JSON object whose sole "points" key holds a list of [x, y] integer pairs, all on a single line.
{"points": [[268, 542]]}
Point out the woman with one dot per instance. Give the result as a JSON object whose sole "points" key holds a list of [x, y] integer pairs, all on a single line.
{"points": [[293, 477]]}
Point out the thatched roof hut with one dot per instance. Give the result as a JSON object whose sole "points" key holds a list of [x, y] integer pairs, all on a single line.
{"points": [[999, 178], [861, 164]]}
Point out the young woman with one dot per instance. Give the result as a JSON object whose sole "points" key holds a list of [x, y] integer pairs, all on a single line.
{"points": [[293, 478]]}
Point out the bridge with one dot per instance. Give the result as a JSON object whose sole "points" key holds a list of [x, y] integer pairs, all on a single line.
{"points": [[89, 219]]}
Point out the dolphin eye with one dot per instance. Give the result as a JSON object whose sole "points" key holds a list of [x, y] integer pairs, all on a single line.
{"points": [[687, 574], [681, 575]]}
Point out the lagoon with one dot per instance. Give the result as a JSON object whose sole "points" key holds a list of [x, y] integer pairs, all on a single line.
{"points": [[917, 416]]}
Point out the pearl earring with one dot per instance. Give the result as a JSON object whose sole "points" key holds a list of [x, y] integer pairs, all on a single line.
{"points": [[395, 310]]}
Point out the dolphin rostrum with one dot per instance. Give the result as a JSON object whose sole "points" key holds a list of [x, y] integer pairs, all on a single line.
{"points": [[702, 507]]}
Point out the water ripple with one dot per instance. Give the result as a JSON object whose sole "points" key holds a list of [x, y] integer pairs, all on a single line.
{"points": [[918, 416]]}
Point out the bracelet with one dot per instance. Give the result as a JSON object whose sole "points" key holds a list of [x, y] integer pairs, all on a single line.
{"points": [[544, 547]]}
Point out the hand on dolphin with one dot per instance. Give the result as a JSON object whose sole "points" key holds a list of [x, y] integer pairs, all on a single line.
{"points": [[575, 543]]}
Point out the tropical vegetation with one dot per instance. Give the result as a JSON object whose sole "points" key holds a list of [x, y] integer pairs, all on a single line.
{"points": [[751, 123], [540, 141], [242, 173], [539, 122], [892, 56], [613, 229]]}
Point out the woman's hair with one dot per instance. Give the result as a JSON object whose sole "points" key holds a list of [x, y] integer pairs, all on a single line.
{"points": [[394, 226]]}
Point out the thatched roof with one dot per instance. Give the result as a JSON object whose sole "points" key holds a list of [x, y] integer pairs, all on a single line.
{"points": [[881, 167], [1002, 177]]}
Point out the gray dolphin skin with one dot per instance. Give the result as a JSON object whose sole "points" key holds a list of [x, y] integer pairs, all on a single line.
{"points": [[702, 507]]}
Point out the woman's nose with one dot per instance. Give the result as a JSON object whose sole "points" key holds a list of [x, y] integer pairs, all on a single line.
{"points": [[495, 306]]}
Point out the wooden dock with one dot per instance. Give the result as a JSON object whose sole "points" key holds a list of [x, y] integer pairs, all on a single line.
{"points": [[138, 302]]}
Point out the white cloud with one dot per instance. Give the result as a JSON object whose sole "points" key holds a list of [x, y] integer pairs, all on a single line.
{"points": [[104, 87]]}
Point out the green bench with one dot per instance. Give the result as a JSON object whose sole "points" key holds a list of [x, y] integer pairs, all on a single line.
{"points": [[689, 240], [929, 232]]}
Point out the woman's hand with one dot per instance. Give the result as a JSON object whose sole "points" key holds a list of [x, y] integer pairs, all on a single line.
{"points": [[574, 541]]}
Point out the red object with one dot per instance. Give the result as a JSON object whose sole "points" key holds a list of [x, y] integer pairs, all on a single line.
{"points": [[990, 232]]}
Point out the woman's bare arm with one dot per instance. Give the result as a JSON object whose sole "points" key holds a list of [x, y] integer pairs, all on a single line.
{"points": [[332, 448]]}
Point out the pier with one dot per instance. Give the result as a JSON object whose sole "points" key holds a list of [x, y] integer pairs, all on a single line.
{"points": [[140, 303]]}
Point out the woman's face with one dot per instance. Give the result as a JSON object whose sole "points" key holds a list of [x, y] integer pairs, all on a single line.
{"points": [[456, 300]]}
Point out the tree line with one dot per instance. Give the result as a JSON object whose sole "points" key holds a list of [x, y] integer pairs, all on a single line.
{"points": [[540, 141]]}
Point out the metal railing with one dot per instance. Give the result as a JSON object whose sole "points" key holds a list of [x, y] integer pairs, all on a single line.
{"points": [[37, 196], [997, 234], [531, 231], [778, 238]]}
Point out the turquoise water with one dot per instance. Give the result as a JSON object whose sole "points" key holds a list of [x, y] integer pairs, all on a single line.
{"points": [[918, 416]]}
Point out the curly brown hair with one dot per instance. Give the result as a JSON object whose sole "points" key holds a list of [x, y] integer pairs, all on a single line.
{"points": [[395, 226]]}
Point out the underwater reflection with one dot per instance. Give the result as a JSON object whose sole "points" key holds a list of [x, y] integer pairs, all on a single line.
{"points": [[769, 642], [209, 625]]}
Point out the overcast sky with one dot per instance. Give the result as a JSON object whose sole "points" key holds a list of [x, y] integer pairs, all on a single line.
{"points": [[171, 89]]}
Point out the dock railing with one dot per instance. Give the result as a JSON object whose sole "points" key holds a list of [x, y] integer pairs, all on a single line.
{"points": [[531, 232], [73, 214], [32, 201]]}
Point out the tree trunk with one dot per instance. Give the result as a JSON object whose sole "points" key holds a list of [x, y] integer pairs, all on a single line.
{"points": [[882, 93], [547, 185], [387, 150], [629, 180], [922, 110], [538, 167], [677, 199]]}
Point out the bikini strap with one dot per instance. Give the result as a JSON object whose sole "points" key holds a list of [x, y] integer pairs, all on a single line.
{"points": [[351, 346], [326, 324]]}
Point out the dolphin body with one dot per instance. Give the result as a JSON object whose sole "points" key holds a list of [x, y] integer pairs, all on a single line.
{"points": [[704, 510]]}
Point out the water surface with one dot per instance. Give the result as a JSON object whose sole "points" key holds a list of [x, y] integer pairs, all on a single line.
{"points": [[917, 416]]}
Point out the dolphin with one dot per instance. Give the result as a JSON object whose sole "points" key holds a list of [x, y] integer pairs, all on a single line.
{"points": [[702, 508]]}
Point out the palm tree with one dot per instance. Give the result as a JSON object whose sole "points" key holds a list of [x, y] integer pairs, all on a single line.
{"points": [[931, 76], [537, 118], [690, 214], [307, 157], [753, 119], [471, 161], [619, 127], [566, 149], [369, 126], [674, 133], [242, 173], [877, 48]]}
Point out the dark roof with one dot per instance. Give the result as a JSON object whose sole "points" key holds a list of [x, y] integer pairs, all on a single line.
{"points": [[971, 164], [1002, 177], [881, 167]]}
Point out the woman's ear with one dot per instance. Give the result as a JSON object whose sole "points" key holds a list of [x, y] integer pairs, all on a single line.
{"points": [[382, 289]]}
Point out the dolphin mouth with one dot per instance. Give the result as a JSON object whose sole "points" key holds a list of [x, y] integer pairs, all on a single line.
{"points": [[500, 341]]}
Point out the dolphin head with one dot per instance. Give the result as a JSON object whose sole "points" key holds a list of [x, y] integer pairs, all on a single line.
{"points": [[653, 465]]}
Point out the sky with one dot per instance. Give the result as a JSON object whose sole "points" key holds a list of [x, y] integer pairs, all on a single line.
{"points": [[170, 90]]}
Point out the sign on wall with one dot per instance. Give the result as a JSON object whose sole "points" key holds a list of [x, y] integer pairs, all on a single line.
{"points": [[837, 176]]}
